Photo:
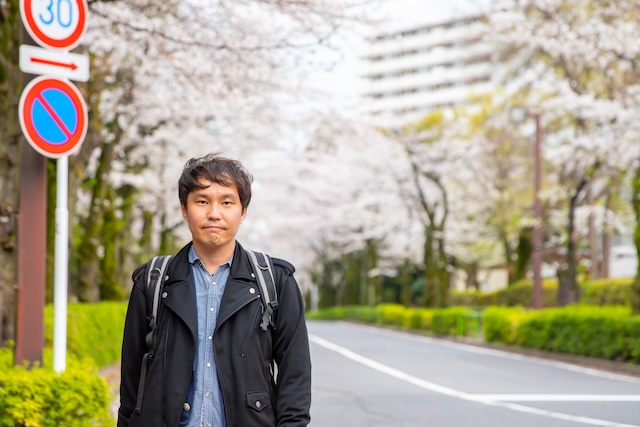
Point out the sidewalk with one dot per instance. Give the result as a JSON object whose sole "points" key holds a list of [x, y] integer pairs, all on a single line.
{"points": [[112, 375]]}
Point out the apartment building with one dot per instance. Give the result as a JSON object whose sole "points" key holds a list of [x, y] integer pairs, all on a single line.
{"points": [[411, 71]]}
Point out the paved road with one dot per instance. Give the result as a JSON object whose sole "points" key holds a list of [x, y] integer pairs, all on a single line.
{"points": [[364, 376]]}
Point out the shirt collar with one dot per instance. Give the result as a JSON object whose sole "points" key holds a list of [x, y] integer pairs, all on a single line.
{"points": [[193, 257]]}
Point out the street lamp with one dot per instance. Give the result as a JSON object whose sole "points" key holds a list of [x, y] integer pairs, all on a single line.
{"points": [[518, 115]]}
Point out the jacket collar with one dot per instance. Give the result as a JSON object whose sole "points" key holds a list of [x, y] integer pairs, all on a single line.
{"points": [[241, 287], [240, 265]]}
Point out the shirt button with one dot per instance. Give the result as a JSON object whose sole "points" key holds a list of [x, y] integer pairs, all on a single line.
{"points": [[209, 365], [213, 283], [211, 309], [207, 394], [210, 337]]}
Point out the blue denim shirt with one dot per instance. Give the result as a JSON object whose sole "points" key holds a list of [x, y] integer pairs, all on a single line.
{"points": [[207, 408]]}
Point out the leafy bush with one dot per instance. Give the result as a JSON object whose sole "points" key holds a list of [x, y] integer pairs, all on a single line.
{"points": [[606, 292], [41, 398], [517, 294], [594, 292], [391, 314], [361, 313], [93, 330], [418, 318], [604, 332], [446, 321], [631, 341], [501, 323]]}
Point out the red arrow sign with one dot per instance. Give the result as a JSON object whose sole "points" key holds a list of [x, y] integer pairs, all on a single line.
{"points": [[36, 60], [71, 65]]}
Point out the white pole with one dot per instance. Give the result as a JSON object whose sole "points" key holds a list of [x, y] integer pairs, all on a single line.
{"points": [[61, 266]]}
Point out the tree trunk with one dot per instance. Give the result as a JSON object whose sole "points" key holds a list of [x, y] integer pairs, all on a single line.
{"points": [[606, 241], [635, 288], [11, 84], [90, 250], [443, 276], [524, 252], [509, 256], [593, 238], [568, 289], [430, 274]]}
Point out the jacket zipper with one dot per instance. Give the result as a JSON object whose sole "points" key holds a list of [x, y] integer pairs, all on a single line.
{"points": [[251, 331], [225, 398]]}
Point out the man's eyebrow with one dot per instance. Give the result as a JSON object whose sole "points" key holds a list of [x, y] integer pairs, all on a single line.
{"points": [[200, 193], [230, 196]]}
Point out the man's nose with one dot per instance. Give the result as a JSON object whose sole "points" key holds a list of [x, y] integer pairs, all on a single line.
{"points": [[214, 211]]}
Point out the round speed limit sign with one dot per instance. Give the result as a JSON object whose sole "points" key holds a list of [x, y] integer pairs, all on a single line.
{"points": [[55, 24]]}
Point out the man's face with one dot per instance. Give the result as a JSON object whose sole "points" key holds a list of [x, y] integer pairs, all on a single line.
{"points": [[214, 215]]}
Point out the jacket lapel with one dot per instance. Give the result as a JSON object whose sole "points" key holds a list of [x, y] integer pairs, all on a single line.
{"points": [[241, 288], [178, 294]]}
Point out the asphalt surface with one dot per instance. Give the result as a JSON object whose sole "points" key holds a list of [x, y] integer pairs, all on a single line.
{"points": [[365, 376]]}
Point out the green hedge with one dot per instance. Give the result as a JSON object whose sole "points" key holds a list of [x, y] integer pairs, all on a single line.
{"points": [[500, 324], [606, 292], [603, 332], [42, 398], [93, 330], [593, 292], [447, 321]]}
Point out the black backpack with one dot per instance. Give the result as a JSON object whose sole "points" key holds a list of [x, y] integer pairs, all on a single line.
{"points": [[155, 277]]}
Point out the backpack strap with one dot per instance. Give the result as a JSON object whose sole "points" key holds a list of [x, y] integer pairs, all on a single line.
{"points": [[263, 270], [154, 278]]}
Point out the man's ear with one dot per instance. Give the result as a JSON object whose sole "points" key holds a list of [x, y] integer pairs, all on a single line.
{"points": [[244, 214], [183, 209]]}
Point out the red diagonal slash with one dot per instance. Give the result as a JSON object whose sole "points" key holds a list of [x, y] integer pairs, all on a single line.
{"points": [[70, 65]]}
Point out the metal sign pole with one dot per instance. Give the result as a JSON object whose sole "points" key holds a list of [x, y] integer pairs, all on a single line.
{"points": [[61, 266]]}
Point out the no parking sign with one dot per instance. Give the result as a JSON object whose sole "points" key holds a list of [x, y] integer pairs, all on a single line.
{"points": [[53, 116]]}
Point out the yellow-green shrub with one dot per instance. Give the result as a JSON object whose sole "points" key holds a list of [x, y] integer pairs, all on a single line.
{"points": [[500, 324], [391, 314], [93, 330], [604, 332], [606, 292], [418, 318], [43, 398], [445, 320]]}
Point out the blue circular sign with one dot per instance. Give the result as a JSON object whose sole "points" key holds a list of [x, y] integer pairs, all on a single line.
{"points": [[53, 116]]}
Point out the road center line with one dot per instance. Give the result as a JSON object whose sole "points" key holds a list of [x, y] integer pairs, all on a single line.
{"points": [[483, 399]]}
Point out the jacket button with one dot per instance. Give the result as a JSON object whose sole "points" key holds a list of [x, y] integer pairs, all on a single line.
{"points": [[252, 291], [258, 404], [253, 275], [164, 294], [186, 406]]}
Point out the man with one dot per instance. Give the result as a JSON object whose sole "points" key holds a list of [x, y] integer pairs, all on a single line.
{"points": [[213, 365]]}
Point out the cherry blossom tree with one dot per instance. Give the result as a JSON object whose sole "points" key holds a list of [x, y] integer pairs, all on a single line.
{"points": [[585, 82]]}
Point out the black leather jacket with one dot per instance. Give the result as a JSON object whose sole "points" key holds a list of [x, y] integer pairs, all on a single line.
{"points": [[244, 353]]}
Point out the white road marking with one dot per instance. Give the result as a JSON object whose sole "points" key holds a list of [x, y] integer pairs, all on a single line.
{"points": [[483, 399], [560, 397]]}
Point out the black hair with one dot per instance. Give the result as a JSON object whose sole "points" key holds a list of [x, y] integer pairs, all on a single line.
{"points": [[220, 170]]}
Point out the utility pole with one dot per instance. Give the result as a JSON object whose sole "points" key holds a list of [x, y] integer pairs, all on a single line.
{"points": [[538, 296]]}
